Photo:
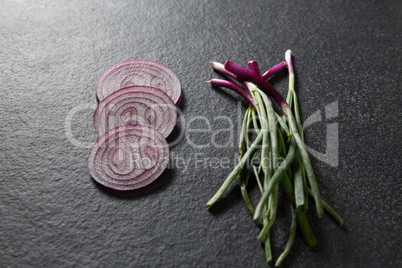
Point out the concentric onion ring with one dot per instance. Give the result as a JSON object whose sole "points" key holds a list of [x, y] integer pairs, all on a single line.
{"points": [[138, 105], [128, 158], [138, 73]]}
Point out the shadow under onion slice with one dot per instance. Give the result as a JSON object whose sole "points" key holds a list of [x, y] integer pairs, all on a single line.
{"points": [[128, 158]]}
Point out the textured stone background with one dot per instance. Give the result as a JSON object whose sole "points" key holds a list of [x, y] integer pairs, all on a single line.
{"points": [[53, 215]]}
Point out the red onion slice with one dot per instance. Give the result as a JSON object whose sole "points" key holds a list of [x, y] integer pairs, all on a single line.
{"points": [[138, 105], [128, 158], [138, 73]]}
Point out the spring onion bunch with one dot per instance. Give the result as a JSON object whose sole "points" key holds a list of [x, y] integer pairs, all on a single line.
{"points": [[279, 145]]}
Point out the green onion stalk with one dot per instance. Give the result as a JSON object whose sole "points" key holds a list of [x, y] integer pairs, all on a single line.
{"points": [[283, 156], [247, 75], [300, 176]]}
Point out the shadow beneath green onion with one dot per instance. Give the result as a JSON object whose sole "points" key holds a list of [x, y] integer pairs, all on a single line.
{"points": [[279, 78], [229, 200], [231, 96], [158, 185], [233, 197]]}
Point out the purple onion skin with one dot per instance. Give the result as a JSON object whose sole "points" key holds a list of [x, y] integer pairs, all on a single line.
{"points": [[128, 158], [274, 70], [288, 58], [247, 75], [253, 67], [227, 84], [221, 68]]}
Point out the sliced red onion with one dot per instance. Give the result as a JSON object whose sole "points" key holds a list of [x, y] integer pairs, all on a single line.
{"points": [[138, 73], [128, 158], [138, 105]]}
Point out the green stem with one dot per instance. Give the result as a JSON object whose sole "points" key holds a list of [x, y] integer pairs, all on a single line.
{"points": [[250, 152], [282, 151], [275, 179], [308, 235], [283, 125], [292, 235], [306, 161], [334, 215], [257, 177], [273, 131], [299, 184], [300, 177], [257, 130], [301, 215], [245, 172], [243, 134], [246, 197], [262, 116], [268, 252], [291, 97], [255, 123]]}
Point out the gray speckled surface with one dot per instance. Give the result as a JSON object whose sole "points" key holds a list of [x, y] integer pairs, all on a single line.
{"points": [[53, 215]]}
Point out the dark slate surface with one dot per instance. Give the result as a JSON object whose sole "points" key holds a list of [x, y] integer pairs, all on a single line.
{"points": [[51, 212]]}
